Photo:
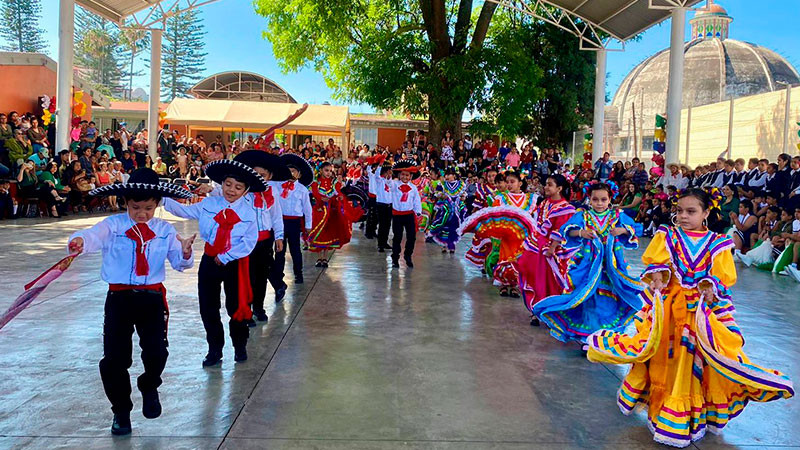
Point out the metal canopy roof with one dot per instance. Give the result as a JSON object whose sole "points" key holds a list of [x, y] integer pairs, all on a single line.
{"points": [[118, 10], [596, 20]]}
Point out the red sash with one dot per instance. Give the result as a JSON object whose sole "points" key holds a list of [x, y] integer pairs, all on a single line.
{"points": [[226, 219]]}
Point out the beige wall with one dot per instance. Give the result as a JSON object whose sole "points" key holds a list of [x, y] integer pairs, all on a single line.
{"points": [[758, 127]]}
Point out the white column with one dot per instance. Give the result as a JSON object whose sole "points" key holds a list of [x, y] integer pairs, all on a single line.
{"points": [[675, 88], [787, 114], [599, 105], [688, 132], [66, 38], [155, 92], [730, 131]]}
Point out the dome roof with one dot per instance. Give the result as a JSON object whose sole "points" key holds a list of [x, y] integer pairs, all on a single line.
{"points": [[715, 70], [241, 86], [713, 9]]}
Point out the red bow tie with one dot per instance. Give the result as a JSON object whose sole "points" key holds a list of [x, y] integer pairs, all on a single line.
{"points": [[226, 219], [288, 187], [386, 186], [261, 197], [405, 189], [141, 234]]}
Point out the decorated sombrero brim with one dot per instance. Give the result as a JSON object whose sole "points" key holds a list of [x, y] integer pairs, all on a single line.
{"points": [[224, 168], [143, 181], [260, 158], [407, 165], [302, 166]]}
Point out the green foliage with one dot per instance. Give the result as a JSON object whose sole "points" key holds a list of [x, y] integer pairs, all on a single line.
{"points": [[183, 58], [19, 26], [97, 51], [133, 42], [429, 57]]}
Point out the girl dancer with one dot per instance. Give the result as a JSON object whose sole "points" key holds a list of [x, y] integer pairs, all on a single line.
{"points": [[333, 215], [448, 212], [295, 203], [689, 369], [543, 264], [500, 232], [135, 246], [599, 293], [229, 226]]}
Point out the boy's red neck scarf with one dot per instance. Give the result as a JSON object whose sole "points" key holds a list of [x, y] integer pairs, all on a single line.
{"points": [[264, 197], [226, 219], [141, 234]]}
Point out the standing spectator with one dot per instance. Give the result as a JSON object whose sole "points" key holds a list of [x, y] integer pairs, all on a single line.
{"points": [[124, 137], [503, 151], [37, 136], [513, 158], [640, 176], [139, 148], [490, 151], [603, 166]]}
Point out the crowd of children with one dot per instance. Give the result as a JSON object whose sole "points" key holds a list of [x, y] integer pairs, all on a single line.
{"points": [[557, 242]]}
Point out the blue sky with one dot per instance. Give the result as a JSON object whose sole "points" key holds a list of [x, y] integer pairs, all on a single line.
{"points": [[234, 42]]}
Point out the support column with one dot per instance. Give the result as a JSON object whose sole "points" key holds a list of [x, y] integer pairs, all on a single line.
{"points": [[786, 118], [688, 132], [155, 92], [599, 106], [730, 131], [675, 88], [66, 42]]}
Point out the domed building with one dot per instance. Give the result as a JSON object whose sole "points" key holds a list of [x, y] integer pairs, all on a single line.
{"points": [[716, 69]]}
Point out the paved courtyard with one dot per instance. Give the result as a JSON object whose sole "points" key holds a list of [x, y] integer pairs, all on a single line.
{"points": [[359, 357]]}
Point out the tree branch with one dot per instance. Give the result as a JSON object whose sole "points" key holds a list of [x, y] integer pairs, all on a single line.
{"points": [[482, 27], [462, 25], [435, 17]]}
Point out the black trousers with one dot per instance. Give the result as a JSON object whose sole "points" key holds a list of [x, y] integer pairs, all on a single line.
{"points": [[372, 218], [261, 262], [292, 228], [384, 223], [403, 223], [124, 311], [210, 279]]}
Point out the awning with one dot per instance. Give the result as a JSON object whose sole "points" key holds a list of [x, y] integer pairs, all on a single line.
{"points": [[256, 115]]}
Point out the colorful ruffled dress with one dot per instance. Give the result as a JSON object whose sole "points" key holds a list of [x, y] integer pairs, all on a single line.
{"points": [[424, 184], [484, 196], [500, 231], [600, 294], [541, 275], [448, 213], [689, 369], [332, 216]]}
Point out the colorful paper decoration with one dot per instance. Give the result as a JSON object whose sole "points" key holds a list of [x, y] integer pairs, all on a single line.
{"points": [[660, 135], [587, 151]]}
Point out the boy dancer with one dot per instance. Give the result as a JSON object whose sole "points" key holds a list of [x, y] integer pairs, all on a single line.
{"points": [[229, 226], [134, 246], [383, 203], [406, 205], [295, 203]]}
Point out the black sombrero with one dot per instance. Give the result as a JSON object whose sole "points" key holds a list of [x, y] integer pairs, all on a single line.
{"points": [[407, 165], [302, 166], [260, 158], [224, 168], [143, 181]]}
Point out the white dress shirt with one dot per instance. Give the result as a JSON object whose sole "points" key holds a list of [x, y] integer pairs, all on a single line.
{"points": [[412, 201], [268, 217], [244, 234], [371, 181], [119, 251], [297, 202], [676, 180]]}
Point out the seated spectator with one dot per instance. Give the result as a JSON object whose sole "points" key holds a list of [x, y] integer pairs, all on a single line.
{"points": [[745, 224], [19, 149], [37, 136], [50, 190], [160, 168], [631, 200], [8, 205]]}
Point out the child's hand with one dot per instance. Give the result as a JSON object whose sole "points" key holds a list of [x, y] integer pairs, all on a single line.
{"points": [[186, 245], [619, 231], [76, 245], [656, 282], [707, 291], [278, 245], [217, 260], [588, 234]]}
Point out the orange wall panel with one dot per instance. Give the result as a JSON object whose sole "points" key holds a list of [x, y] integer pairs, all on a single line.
{"points": [[392, 138], [23, 85]]}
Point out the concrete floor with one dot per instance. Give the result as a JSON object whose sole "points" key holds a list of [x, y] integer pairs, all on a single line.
{"points": [[359, 357]]}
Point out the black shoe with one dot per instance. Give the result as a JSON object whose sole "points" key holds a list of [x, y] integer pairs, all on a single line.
{"points": [[395, 263], [409, 263], [121, 425], [251, 323], [370, 237], [319, 263], [534, 321], [261, 316], [151, 406], [279, 294], [298, 280], [381, 250], [240, 354], [428, 240], [212, 359]]}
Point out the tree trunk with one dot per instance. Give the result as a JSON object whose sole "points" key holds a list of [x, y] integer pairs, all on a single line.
{"points": [[438, 125]]}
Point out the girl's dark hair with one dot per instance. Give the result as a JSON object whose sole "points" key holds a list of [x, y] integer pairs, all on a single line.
{"points": [[747, 204], [513, 174], [700, 195], [324, 165], [599, 187], [500, 177], [561, 182]]}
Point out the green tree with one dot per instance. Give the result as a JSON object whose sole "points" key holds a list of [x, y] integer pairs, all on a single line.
{"points": [[133, 41], [97, 47], [19, 26], [428, 57], [183, 59]]}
